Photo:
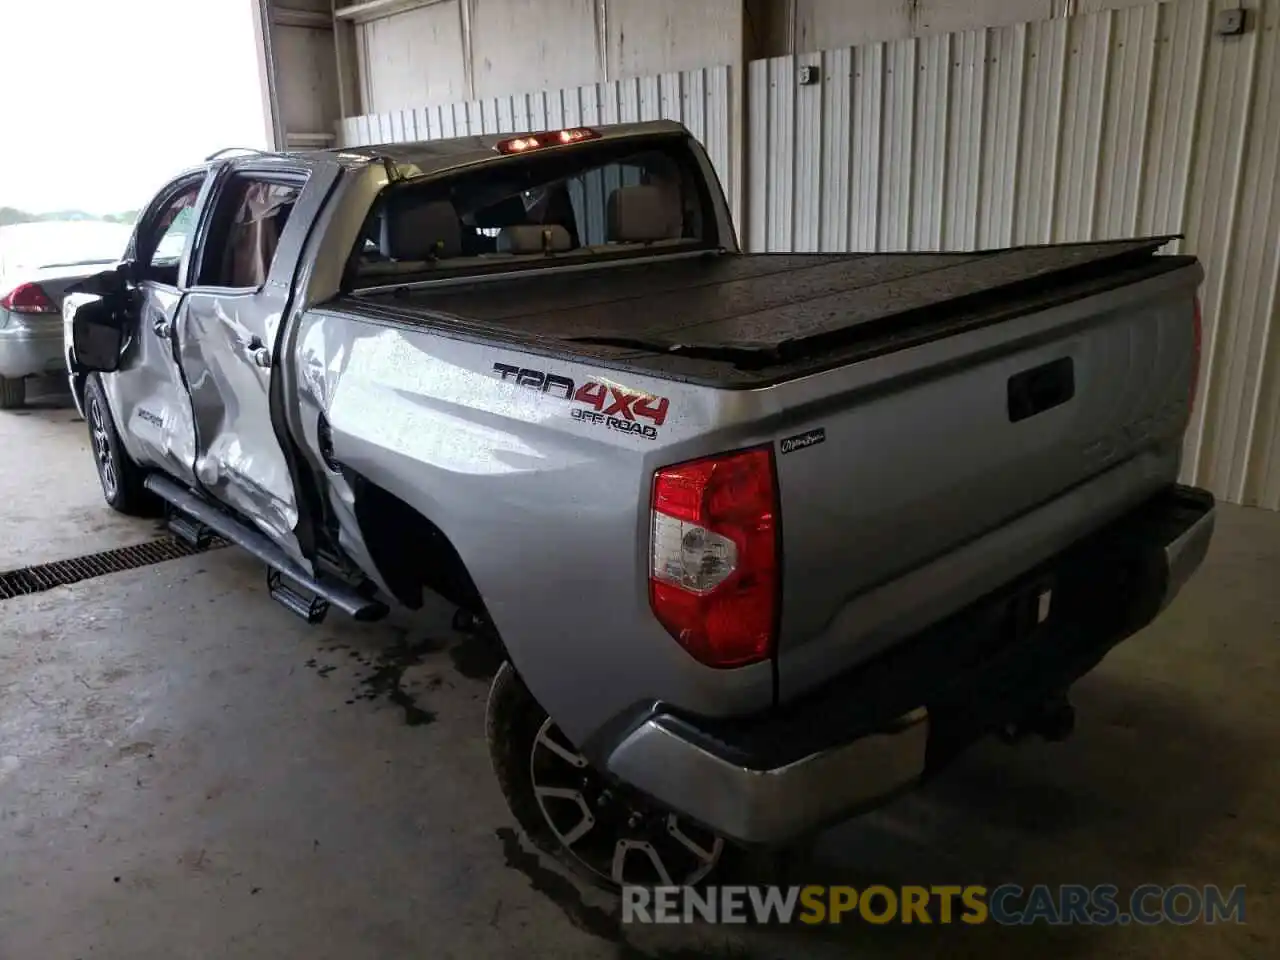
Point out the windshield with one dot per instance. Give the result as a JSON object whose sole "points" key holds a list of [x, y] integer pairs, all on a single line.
{"points": [[32, 246], [601, 201]]}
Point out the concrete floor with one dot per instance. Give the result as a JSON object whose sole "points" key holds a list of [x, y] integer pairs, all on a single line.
{"points": [[187, 771]]}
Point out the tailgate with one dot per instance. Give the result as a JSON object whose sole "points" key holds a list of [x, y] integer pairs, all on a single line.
{"points": [[902, 460]]}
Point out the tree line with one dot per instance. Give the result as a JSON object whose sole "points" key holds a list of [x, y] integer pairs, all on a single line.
{"points": [[11, 215]]}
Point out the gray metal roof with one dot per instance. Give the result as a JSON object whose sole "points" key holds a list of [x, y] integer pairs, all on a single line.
{"points": [[431, 156]]}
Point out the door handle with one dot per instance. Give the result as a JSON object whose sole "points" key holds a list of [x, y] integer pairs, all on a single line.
{"points": [[161, 327]]}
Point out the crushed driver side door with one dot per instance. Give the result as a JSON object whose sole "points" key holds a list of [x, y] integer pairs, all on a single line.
{"points": [[248, 255]]}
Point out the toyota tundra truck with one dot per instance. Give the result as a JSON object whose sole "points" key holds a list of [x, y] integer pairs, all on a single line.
{"points": [[764, 539]]}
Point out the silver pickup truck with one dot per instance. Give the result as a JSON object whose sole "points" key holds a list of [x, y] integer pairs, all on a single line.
{"points": [[765, 539]]}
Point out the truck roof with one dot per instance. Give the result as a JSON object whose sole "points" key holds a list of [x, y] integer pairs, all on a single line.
{"points": [[431, 156]]}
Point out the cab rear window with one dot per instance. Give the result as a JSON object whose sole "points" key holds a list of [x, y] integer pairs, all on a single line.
{"points": [[601, 200]]}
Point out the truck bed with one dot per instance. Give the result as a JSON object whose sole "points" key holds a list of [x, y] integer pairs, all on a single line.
{"points": [[752, 319], [908, 485]]}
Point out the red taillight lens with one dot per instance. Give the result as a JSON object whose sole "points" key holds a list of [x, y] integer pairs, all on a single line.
{"points": [[28, 298], [713, 572], [1198, 335]]}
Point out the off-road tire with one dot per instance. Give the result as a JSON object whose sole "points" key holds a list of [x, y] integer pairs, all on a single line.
{"points": [[513, 719], [124, 491]]}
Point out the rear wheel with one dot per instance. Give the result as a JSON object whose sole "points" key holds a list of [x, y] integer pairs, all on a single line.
{"points": [[602, 829], [13, 393], [121, 478]]}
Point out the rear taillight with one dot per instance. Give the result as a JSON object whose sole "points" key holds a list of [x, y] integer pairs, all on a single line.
{"points": [[713, 572], [1197, 339], [28, 298]]}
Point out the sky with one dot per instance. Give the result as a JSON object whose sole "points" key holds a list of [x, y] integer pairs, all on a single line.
{"points": [[101, 101]]}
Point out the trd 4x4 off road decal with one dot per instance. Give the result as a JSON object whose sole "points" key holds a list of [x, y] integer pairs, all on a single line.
{"points": [[609, 407]]}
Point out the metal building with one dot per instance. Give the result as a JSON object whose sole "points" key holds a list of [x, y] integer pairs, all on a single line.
{"points": [[866, 125]]}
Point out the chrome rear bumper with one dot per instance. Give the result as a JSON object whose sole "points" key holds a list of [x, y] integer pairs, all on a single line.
{"points": [[773, 805]]}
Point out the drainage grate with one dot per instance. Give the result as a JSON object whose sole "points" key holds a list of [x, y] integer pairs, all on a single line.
{"points": [[46, 576]]}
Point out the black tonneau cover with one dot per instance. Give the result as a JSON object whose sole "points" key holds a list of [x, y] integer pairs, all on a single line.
{"points": [[756, 311]]}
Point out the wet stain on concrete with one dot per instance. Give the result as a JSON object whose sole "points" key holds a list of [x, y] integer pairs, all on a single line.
{"points": [[559, 889], [597, 921], [387, 679]]}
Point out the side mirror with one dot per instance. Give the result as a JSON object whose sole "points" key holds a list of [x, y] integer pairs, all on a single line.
{"points": [[127, 273], [97, 336], [108, 283]]}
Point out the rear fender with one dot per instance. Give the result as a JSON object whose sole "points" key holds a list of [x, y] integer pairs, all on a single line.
{"points": [[548, 518]]}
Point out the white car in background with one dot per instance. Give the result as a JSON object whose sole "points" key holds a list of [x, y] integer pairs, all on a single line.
{"points": [[38, 261]]}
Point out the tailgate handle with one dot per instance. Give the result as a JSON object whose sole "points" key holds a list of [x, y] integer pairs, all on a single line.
{"points": [[1041, 388]]}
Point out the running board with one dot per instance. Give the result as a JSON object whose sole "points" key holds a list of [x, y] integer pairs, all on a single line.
{"points": [[312, 608], [193, 532], [338, 595]]}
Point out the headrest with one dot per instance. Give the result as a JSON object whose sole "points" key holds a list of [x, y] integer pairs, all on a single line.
{"points": [[421, 231], [534, 238], [644, 214]]}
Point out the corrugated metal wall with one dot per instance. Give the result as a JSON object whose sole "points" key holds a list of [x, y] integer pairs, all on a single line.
{"points": [[700, 99], [1134, 121]]}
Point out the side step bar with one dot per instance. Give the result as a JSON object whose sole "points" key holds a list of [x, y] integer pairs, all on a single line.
{"points": [[185, 528], [338, 595], [312, 609]]}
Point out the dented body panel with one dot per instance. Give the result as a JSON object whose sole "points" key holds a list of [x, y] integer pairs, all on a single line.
{"points": [[228, 342], [238, 461], [148, 397]]}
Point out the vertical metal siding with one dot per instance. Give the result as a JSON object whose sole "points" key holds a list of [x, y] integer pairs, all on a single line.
{"points": [[782, 166], [968, 81], [1126, 121], [1213, 202], [1044, 87], [1233, 448], [1125, 127], [833, 169], [808, 210], [1002, 128], [1181, 44], [893, 219], [868, 127], [929, 172], [1085, 97], [758, 153]]}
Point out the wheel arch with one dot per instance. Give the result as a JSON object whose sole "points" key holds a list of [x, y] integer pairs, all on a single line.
{"points": [[411, 552]]}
